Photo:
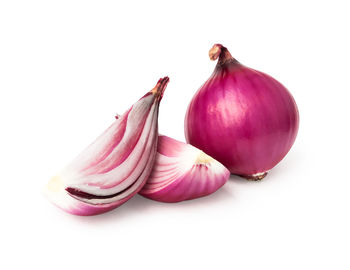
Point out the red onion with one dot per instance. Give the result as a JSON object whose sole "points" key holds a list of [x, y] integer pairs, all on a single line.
{"points": [[116, 165], [242, 117], [182, 172]]}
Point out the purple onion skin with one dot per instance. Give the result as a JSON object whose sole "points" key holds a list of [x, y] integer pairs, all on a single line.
{"points": [[242, 117]]}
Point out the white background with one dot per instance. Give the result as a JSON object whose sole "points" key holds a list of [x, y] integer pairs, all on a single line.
{"points": [[66, 68]]}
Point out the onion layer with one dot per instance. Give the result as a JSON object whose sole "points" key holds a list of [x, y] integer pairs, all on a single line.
{"points": [[114, 167], [242, 117], [183, 172]]}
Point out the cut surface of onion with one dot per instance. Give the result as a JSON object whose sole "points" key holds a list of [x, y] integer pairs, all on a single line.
{"points": [[183, 172], [116, 165]]}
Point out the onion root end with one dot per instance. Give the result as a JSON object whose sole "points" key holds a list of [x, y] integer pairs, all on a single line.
{"points": [[254, 177]]}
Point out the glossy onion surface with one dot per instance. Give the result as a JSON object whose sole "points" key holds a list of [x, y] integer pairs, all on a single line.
{"points": [[242, 117]]}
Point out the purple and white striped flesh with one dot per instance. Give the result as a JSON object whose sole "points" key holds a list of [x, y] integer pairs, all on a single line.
{"points": [[183, 172], [116, 165]]}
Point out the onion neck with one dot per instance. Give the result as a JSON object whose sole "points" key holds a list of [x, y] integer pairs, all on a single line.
{"points": [[159, 89], [220, 52]]}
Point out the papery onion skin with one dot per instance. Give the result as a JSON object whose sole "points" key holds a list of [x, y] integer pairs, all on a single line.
{"points": [[114, 167], [242, 117], [183, 172]]}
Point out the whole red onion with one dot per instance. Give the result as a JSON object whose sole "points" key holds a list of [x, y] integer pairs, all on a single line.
{"points": [[242, 117]]}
